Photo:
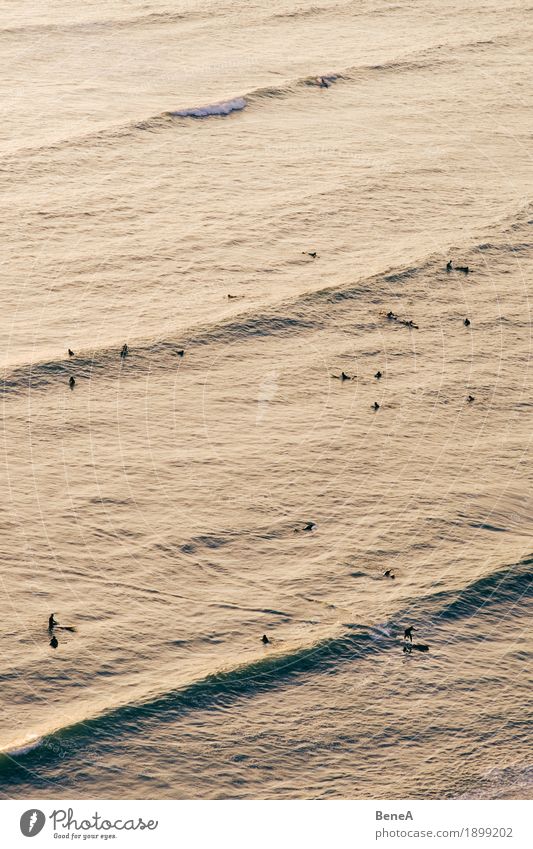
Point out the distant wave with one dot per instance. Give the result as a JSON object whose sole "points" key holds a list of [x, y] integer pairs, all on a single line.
{"points": [[436, 55], [215, 109], [138, 21], [313, 11], [491, 595], [164, 18]]}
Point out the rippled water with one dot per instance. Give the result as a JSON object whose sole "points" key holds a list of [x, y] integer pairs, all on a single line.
{"points": [[156, 158]]}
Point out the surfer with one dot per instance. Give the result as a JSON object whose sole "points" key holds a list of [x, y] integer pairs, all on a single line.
{"points": [[391, 316], [124, 352], [449, 266], [388, 574], [53, 642], [470, 399], [312, 254], [341, 376], [51, 622], [180, 353], [72, 382], [265, 640], [378, 375], [310, 526], [375, 406], [71, 352], [408, 633], [466, 322]]}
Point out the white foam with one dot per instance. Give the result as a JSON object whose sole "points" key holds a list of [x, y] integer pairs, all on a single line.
{"points": [[223, 108], [17, 749]]}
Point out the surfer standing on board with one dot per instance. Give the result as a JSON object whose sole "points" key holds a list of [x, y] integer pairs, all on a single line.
{"points": [[51, 622]]}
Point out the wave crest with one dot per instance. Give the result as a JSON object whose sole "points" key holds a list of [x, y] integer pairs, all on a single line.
{"points": [[226, 107]]}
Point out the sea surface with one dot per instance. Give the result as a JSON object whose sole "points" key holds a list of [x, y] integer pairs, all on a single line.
{"points": [[155, 158]]}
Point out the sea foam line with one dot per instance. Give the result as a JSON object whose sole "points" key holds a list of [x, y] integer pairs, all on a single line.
{"points": [[214, 109]]}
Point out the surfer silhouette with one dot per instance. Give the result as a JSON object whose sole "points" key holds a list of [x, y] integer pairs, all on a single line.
{"points": [[71, 353], [375, 406], [378, 375], [265, 640], [449, 266], [466, 322], [51, 622], [124, 352], [53, 642], [408, 633], [72, 382], [309, 526]]}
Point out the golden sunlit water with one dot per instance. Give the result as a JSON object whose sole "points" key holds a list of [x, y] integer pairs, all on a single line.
{"points": [[258, 198]]}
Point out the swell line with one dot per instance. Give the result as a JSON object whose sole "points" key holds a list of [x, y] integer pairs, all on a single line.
{"points": [[301, 314], [437, 55], [488, 596]]}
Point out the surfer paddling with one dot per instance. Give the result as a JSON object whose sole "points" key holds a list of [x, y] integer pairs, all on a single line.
{"points": [[391, 316]]}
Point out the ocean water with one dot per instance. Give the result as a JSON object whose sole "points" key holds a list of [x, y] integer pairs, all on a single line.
{"points": [[156, 157]]}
